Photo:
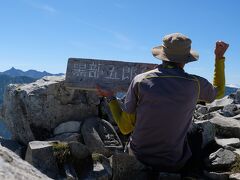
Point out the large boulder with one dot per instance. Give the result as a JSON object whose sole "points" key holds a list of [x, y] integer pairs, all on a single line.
{"points": [[13, 167], [78, 150], [100, 137], [226, 127], [208, 133], [32, 111]]}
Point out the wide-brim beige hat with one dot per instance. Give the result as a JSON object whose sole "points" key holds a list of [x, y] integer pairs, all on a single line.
{"points": [[176, 47]]}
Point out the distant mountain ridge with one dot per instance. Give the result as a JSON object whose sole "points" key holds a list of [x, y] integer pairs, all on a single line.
{"points": [[16, 76], [30, 73], [6, 79], [230, 90]]}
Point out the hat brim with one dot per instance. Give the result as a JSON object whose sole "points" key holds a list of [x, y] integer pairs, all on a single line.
{"points": [[158, 52]]}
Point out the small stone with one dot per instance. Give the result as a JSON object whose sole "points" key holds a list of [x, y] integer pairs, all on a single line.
{"points": [[229, 110], [206, 116], [66, 137], [221, 102], [79, 150], [67, 127], [235, 142], [235, 176], [216, 176], [202, 109], [222, 159]]}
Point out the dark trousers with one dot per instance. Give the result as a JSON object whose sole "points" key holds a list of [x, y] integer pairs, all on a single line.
{"points": [[194, 164], [195, 139]]}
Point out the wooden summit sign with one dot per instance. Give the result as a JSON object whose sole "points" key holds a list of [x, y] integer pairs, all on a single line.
{"points": [[86, 73]]}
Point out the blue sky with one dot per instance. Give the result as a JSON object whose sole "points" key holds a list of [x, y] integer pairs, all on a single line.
{"points": [[43, 34]]}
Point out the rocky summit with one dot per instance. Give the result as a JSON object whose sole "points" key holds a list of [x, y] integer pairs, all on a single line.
{"points": [[62, 133]]}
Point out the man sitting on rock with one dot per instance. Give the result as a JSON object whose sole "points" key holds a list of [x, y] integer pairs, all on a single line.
{"points": [[160, 103]]}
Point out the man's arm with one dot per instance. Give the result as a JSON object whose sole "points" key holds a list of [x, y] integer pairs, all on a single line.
{"points": [[124, 120], [209, 92], [219, 73]]}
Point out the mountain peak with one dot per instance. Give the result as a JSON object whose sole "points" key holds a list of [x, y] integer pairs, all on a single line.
{"points": [[13, 72]]}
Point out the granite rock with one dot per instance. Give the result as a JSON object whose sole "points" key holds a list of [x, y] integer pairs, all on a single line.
{"points": [[221, 160], [226, 127], [234, 142], [66, 137], [208, 131], [235, 176], [229, 110], [41, 155], [32, 111], [100, 137], [12, 167], [79, 150], [237, 97], [67, 127], [221, 102]]}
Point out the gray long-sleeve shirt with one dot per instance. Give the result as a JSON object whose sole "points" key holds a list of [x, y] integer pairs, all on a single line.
{"points": [[164, 100]]}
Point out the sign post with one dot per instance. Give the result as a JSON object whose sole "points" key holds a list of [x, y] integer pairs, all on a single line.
{"points": [[86, 73]]}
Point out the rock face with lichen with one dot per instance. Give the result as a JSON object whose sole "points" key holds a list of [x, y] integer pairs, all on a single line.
{"points": [[13, 167], [31, 111]]}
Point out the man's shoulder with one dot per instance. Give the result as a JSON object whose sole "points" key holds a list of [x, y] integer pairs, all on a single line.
{"points": [[144, 75], [198, 77]]}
